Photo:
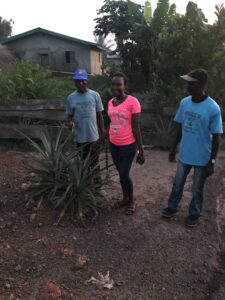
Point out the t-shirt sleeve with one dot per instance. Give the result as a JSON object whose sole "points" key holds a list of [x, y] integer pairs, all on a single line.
{"points": [[216, 125], [179, 115], [99, 105], [136, 106], [69, 109]]}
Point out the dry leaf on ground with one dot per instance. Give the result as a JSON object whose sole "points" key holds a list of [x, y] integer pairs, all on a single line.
{"points": [[54, 290], [81, 262], [68, 251], [102, 281]]}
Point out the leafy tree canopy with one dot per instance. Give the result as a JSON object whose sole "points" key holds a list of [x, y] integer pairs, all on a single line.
{"points": [[5, 28], [157, 47]]}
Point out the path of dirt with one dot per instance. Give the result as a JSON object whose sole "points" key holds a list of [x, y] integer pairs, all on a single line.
{"points": [[147, 257]]}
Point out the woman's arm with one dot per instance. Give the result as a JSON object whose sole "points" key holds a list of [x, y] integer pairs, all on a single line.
{"points": [[136, 128]]}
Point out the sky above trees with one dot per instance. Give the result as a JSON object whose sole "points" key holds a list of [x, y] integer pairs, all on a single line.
{"points": [[73, 17]]}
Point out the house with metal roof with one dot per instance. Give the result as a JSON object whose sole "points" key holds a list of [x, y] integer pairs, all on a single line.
{"points": [[56, 51]]}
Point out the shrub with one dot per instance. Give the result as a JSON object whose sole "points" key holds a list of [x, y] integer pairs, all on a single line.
{"points": [[101, 84], [65, 180], [6, 60], [31, 81]]}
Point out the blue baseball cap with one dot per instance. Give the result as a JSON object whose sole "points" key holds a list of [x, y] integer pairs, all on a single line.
{"points": [[80, 74]]}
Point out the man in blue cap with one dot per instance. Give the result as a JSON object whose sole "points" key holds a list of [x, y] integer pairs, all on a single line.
{"points": [[199, 125], [84, 110]]}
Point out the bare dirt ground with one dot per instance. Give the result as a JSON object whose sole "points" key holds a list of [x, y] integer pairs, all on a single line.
{"points": [[147, 257]]}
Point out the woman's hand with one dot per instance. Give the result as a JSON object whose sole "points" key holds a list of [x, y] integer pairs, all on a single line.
{"points": [[140, 158]]}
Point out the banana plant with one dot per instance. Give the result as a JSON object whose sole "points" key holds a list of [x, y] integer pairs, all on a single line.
{"points": [[148, 12]]}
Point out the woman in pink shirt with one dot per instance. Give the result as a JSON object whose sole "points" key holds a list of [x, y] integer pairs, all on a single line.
{"points": [[124, 136]]}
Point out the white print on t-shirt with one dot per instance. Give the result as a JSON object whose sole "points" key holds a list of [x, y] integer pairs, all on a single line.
{"points": [[118, 120], [192, 122]]}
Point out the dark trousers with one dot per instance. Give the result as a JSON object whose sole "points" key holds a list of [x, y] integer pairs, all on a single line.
{"points": [[123, 157], [85, 149]]}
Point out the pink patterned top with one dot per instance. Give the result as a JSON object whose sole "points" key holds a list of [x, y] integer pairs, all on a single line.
{"points": [[121, 132]]}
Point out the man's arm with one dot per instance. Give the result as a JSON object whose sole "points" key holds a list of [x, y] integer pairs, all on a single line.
{"points": [[215, 148], [178, 136], [70, 114], [100, 122], [71, 123]]}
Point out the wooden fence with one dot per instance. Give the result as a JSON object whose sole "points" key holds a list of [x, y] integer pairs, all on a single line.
{"points": [[43, 110], [25, 110], [54, 110]]}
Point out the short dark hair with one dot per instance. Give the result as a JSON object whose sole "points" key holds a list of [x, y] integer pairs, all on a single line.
{"points": [[122, 75]]}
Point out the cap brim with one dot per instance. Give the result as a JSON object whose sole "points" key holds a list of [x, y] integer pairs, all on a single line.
{"points": [[80, 78], [189, 78]]}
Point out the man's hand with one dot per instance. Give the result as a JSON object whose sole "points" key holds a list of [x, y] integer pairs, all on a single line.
{"points": [[71, 125], [172, 156], [140, 158], [209, 169]]}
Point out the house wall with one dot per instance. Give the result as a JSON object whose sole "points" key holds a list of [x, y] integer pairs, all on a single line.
{"points": [[52, 49], [96, 62]]}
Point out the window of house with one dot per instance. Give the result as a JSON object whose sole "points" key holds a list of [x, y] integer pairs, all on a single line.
{"points": [[70, 57], [44, 59]]}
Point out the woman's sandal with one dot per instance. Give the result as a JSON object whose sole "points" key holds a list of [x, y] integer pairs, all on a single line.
{"points": [[130, 209]]}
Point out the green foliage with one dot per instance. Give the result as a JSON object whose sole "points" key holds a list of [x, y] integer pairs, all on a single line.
{"points": [[135, 36], [100, 83], [5, 28], [148, 12], [163, 126], [65, 179], [31, 81], [156, 51], [216, 61], [104, 43]]}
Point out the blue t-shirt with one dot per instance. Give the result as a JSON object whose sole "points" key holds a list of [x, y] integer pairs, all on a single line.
{"points": [[199, 122], [84, 108]]}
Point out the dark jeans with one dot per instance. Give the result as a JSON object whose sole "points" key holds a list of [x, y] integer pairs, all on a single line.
{"points": [[85, 149], [195, 207], [123, 157]]}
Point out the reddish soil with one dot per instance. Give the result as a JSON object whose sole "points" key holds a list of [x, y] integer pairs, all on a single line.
{"points": [[147, 257]]}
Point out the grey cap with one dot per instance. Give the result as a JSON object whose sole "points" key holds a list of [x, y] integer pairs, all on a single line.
{"points": [[189, 78], [199, 75]]}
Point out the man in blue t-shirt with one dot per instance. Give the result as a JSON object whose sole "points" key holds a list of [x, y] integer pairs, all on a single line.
{"points": [[199, 128], [84, 110]]}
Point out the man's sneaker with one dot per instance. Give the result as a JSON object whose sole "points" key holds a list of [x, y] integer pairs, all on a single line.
{"points": [[168, 213], [191, 221]]}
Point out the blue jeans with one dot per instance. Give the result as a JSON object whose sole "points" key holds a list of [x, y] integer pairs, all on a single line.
{"points": [[195, 207], [123, 157]]}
